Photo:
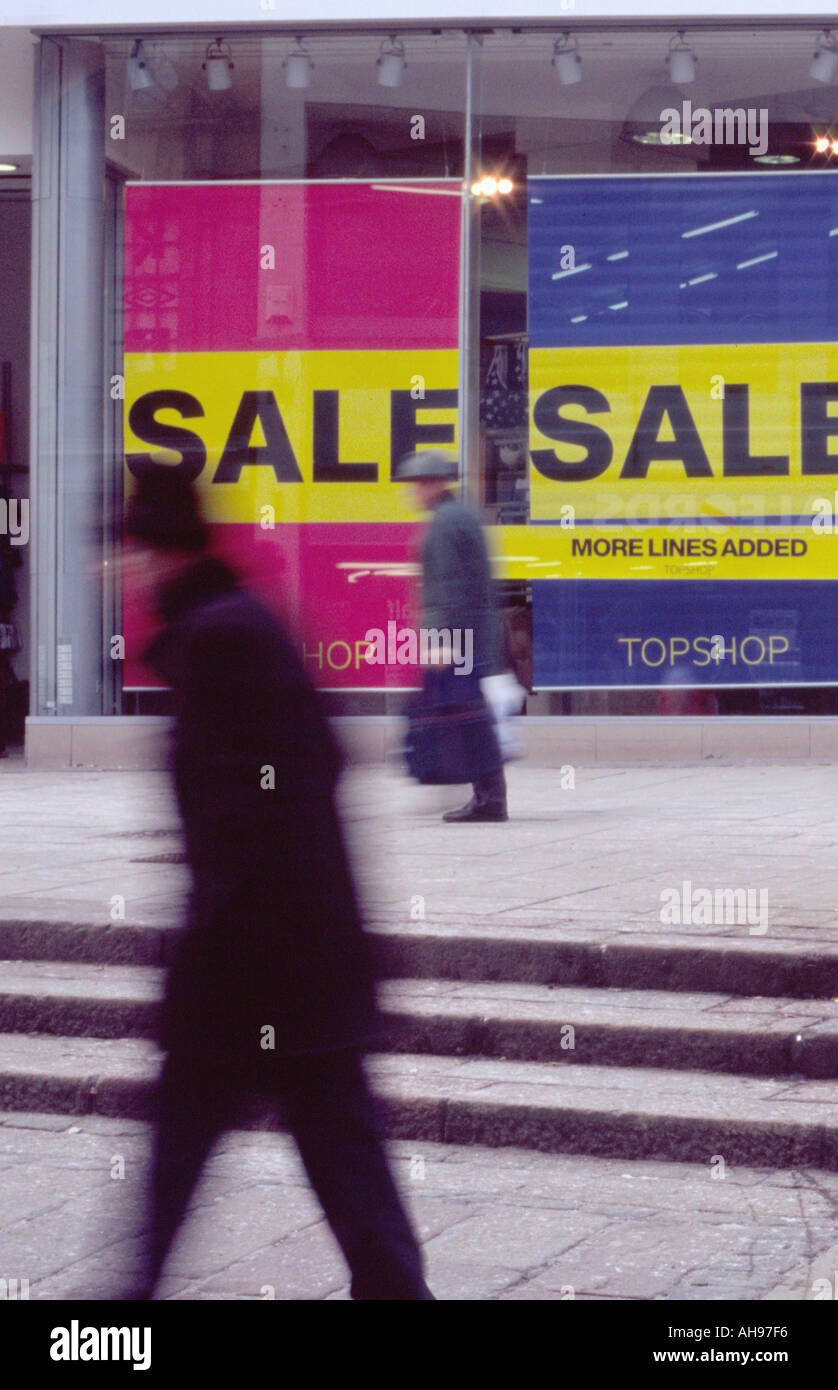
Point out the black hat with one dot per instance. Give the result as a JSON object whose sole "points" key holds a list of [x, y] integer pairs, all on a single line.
{"points": [[163, 509], [428, 463]]}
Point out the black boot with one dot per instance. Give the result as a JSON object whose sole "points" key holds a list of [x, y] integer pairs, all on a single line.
{"points": [[478, 810]]}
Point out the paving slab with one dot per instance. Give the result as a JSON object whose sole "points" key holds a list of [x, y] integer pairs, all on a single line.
{"points": [[488, 1227]]}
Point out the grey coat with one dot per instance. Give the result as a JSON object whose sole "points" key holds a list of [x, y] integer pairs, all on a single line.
{"points": [[457, 579]]}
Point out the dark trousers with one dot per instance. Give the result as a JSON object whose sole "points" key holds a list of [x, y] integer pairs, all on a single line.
{"points": [[330, 1112]]}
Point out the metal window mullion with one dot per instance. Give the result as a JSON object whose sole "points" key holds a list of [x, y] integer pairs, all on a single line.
{"points": [[44, 389], [469, 355], [112, 453]]}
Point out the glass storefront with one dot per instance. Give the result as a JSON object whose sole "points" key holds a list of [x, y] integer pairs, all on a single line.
{"points": [[290, 260]]}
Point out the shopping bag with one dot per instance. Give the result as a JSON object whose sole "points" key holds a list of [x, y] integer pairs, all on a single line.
{"points": [[451, 735], [505, 698]]}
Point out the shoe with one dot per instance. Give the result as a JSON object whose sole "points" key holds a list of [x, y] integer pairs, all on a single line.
{"points": [[478, 811]]}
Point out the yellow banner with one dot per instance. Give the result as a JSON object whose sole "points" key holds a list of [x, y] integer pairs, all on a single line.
{"points": [[314, 435], [664, 552], [683, 432]]}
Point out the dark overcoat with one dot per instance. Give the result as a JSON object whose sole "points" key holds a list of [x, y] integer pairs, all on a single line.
{"points": [[451, 735], [457, 588], [274, 938]]}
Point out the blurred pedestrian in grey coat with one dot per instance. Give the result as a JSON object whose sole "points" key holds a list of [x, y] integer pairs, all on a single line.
{"points": [[457, 593]]}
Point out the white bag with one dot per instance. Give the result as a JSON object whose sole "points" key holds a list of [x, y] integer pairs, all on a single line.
{"points": [[505, 698]]}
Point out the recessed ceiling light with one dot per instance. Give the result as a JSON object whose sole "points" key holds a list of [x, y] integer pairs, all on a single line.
{"points": [[8, 168], [657, 137], [776, 158], [645, 117]]}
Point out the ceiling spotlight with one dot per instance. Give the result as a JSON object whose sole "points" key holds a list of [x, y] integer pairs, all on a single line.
{"points": [[298, 67], [218, 67], [138, 73], [681, 59], [825, 60], [390, 62], [489, 187], [566, 59], [822, 144]]}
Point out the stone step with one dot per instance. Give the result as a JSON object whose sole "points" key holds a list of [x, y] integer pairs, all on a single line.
{"points": [[624, 960], [613, 1027], [539, 1023], [78, 999], [626, 1112]]}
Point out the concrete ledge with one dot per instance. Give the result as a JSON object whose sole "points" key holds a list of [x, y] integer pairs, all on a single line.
{"points": [[368, 740], [129, 746], [622, 1029], [716, 965], [137, 742], [608, 1112], [555, 742], [50, 747], [115, 742]]}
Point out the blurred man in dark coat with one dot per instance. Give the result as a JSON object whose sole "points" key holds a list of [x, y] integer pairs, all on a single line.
{"points": [[271, 990], [457, 593]]}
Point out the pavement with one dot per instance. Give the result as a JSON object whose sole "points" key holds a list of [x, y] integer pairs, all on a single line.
{"points": [[680, 1142], [500, 1224], [590, 861]]}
